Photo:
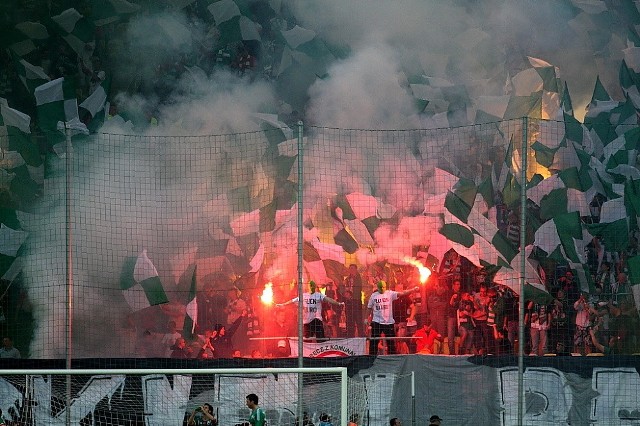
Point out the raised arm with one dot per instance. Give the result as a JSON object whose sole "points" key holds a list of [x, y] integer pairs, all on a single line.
{"points": [[407, 292], [333, 301], [288, 302]]}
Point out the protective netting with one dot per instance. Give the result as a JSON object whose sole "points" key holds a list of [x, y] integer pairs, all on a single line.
{"points": [[175, 237]]}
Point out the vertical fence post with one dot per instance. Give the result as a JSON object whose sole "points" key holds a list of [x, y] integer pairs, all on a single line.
{"points": [[413, 398], [69, 267], [523, 265], [300, 219]]}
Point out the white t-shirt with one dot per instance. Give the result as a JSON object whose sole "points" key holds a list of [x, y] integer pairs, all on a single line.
{"points": [[168, 340], [311, 307], [382, 305]]}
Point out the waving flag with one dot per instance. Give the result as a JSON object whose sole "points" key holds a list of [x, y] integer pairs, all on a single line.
{"points": [[140, 283], [77, 31], [56, 104], [191, 314]]}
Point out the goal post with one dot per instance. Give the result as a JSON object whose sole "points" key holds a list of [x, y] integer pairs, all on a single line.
{"points": [[158, 397]]}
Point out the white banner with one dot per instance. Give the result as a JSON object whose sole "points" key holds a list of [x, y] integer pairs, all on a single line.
{"points": [[332, 348]]}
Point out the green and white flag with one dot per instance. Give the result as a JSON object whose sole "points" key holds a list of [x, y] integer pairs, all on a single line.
{"points": [[613, 227], [550, 87], [558, 194], [56, 105], [140, 283], [13, 123], [108, 11], [509, 180], [30, 75], [191, 314], [21, 157], [231, 24], [77, 31], [26, 37], [564, 239], [620, 154], [97, 105], [600, 114], [274, 130], [487, 230], [629, 76], [511, 277], [97, 100]]}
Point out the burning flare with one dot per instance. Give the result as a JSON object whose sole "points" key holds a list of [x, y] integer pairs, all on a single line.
{"points": [[425, 272], [267, 294]]}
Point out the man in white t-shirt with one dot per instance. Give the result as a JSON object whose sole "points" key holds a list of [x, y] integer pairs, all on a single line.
{"points": [[312, 311], [380, 315]]}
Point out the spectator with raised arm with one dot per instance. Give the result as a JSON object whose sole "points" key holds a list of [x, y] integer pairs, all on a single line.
{"points": [[312, 311], [203, 416], [380, 316]]}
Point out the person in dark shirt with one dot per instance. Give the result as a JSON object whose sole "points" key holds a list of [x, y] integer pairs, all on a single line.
{"points": [[181, 350], [352, 284], [403, 310], [211, 303], [222, 339]]}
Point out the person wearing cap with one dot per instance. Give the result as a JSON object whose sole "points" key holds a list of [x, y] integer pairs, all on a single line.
{"points": [[380, 315], [312, 311], [434, 420]]}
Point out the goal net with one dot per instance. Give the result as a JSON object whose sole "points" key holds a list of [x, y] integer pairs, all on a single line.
{"points": [[170, 396]]}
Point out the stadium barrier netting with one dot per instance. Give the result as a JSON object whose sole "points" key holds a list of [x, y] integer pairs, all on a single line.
{"points": [[149, 247]]}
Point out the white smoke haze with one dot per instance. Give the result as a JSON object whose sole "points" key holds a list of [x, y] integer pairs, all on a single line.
{"points": [[474, 41], [150, 41], [362, 92], [162, 194], [220, 104]]}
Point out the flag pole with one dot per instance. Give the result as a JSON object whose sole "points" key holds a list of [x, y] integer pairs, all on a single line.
{"points": [[69, 268], [300, 219]]}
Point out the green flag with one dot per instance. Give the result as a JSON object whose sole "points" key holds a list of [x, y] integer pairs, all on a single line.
{"points": [[76, 30], [140, 283], [108, 11], [191, 314], [31, 76], [613, 227], [57, 104]]}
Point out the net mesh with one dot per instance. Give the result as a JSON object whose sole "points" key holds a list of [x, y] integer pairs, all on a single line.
{"points": [[177, 236], [181, 247]]}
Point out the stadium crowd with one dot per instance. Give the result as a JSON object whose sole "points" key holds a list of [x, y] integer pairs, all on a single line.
{"points": [[458, 311]]}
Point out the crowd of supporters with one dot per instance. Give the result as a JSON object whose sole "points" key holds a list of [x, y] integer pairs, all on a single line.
{"points": [[458, 311]]}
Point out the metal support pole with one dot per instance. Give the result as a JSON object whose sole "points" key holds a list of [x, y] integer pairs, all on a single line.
{"points": [[413, 398], [523, 265], [300, 408], [69, 267]]}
